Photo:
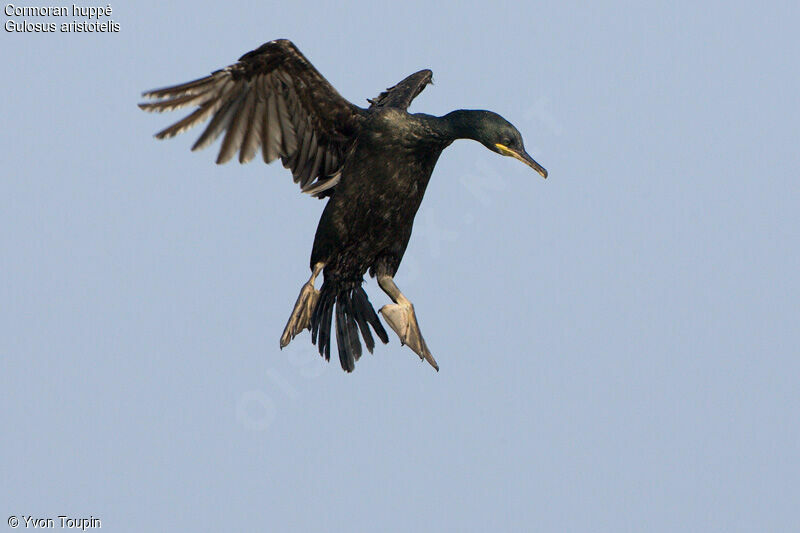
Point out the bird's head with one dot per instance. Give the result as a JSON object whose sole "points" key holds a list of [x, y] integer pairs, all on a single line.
{"points": [[500, 136]]}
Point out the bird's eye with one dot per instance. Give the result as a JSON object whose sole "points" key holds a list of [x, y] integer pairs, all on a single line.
{"points": [[508, 142]]}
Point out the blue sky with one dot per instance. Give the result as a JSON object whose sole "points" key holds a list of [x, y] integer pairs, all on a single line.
{"points": [[618, 344]]}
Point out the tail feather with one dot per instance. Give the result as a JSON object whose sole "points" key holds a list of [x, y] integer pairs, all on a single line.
{"points": [[368, 312], [349, 352], [326, 328], [354, 314], [351, 328], [356, 311], [321, 326]]}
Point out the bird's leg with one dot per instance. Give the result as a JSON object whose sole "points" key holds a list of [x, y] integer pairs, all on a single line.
{"points": [[400, 316], [300, 318]]}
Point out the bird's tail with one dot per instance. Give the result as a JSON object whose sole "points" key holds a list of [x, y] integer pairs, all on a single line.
{"points": [[354, 312]]}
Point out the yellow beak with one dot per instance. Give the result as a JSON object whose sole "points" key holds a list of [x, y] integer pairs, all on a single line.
{"points": [[524, 157]]}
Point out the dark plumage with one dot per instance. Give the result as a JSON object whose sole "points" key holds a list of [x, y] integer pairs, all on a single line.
{"points": [[373, 163]]}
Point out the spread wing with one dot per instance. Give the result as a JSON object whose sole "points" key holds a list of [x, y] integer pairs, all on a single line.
{"points": [[403, 93], [274, 100]]}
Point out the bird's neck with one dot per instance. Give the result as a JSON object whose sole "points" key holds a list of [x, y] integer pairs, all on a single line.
{"points": [[462, 124]]}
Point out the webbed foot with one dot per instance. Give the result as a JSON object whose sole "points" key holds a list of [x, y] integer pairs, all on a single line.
{"points": [[402, 319], [300, 318]]}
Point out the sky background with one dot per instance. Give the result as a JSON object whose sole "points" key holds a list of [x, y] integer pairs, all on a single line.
{"points": [[618, 343]]}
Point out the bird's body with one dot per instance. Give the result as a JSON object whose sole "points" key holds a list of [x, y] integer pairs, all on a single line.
{"points": [[374, 164], [367, 222]]}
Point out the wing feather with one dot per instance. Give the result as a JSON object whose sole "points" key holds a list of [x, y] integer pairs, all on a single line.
{"points": [[287, 128], [273, 138], [218, 122], [252, 134], [273, 100], [401, 95], [236, 129]]}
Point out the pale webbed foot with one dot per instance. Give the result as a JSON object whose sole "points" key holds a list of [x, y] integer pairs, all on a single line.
{"points": [[300, 318], [402, 319]]}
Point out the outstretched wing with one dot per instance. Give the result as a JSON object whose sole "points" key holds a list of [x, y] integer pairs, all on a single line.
{"points": [[273, 99], [403, 93]]}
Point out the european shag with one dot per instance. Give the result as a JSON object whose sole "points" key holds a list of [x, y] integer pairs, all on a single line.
{"points": [[373, 164]]}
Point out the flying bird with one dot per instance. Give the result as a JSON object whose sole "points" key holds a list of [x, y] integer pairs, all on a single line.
{"points": [[372, 164]]}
